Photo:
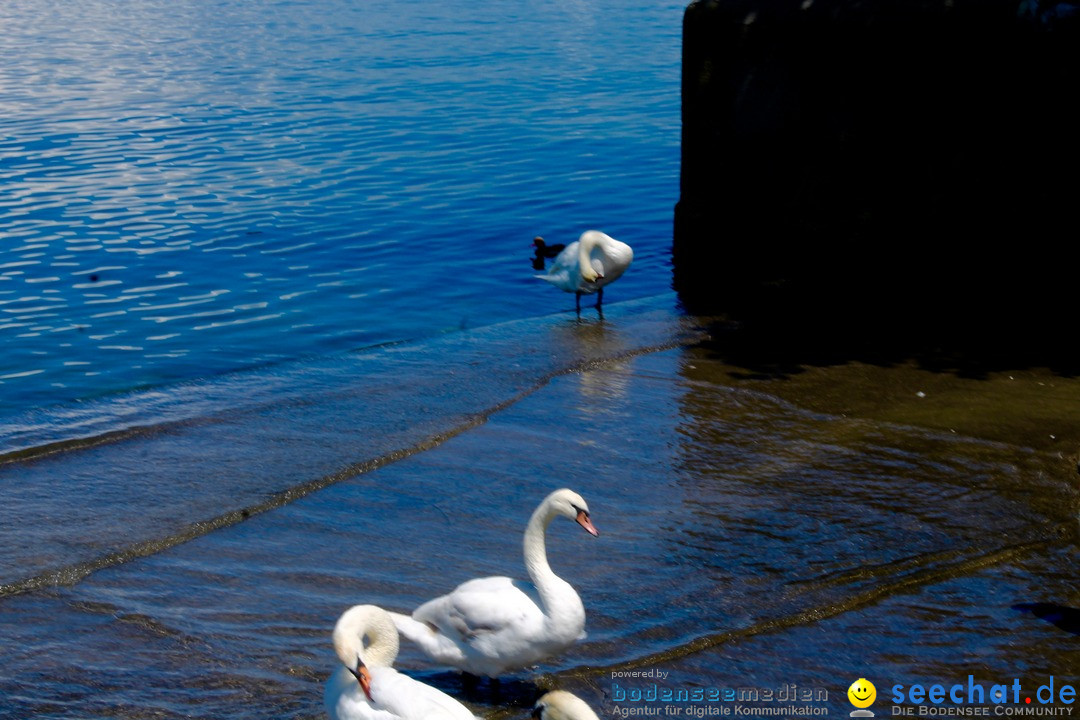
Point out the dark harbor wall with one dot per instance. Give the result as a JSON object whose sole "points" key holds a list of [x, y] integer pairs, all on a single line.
{"points": [[894, 163]]}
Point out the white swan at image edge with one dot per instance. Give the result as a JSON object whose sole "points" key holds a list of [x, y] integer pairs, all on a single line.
{"points": [[584, 267], [490, 625], [367, 687], [562, 705]]}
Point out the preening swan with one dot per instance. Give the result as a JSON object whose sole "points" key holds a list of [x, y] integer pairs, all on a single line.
{"points": [[490, 625], [562, 705], [587, 265], [367, 688]]}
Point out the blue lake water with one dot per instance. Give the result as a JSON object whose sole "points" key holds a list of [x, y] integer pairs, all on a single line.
{"points": [[191, 189], [271, 346]]}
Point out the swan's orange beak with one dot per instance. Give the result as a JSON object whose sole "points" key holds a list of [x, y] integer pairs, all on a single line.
{"points": [[365, 681], [584, 521], [363, 676]]}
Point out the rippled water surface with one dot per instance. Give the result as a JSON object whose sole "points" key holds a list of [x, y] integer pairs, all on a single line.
{"points": [[190, 188], [745, 542]]}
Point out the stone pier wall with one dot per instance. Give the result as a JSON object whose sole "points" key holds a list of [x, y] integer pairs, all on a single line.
{"points": [[880, 160]]}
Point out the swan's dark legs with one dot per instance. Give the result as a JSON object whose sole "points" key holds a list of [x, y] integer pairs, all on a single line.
{"points": [[599, 298], [469, 683], [577, 302]]}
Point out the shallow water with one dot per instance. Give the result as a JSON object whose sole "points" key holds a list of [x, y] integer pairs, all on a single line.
{"points": [[745, 541]]}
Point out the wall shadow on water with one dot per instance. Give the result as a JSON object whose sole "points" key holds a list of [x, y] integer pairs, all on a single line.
{"points": [[882, 180], [1065, 617], [772, 341]]}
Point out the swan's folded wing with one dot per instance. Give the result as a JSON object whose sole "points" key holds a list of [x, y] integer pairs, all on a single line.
{"points": [[564, 268], [410, 699], [481, 608], [565, 261], [344, 700], [427, 635]]}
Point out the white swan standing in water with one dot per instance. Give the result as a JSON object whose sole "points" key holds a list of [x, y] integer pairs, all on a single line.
{"points": [[490, 625], [367, 688], [562, 705], [586, 266]]}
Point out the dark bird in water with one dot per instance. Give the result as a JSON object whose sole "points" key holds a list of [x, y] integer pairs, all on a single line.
{"points": [[543, 250]]}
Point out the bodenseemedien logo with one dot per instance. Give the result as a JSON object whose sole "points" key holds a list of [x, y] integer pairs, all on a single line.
{"points": [[862, 694]]}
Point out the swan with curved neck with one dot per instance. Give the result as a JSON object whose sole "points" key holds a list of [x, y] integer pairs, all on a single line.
{"points": [[490, 625], [584, 267], [562, 705], [367, 687]]}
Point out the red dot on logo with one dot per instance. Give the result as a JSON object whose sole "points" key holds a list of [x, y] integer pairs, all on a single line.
{"points": [[1027, 700]]}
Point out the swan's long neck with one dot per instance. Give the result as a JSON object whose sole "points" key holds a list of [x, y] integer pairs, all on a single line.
{"points": [[585, 247], [370, 623], [551, 587]]}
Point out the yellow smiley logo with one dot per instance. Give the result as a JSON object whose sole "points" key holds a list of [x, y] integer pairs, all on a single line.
{"points": [[862, 693]]}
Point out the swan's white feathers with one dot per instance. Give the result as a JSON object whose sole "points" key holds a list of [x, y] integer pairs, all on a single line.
{"points": [[487, 626], [346, 701], [405, 697], [562, 705], [559, 274], [608, 257], [394, 696], [483, 606], [480, 611]]}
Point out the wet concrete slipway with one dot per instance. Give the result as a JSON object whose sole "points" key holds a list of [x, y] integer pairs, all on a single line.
{"points": [[757, 531]]}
